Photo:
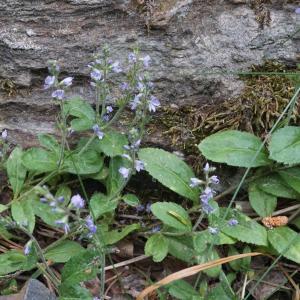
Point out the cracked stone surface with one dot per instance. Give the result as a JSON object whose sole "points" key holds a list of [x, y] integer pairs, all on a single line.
{"points": [[191, 43]]}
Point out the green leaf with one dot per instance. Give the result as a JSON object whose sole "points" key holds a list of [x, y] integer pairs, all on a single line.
{"points": [[263, 203], [3, 208], [182, 248], [113, 236], [282, 238], [4, 233], [169, 170], [275, 186], [82, 267], [23, 213], [131, 199], [245, 229], [11, 261], [115, 181], [88, 162], [285, 145], [74, 292], [83, 113], [207, 257], [101, 204], [218, 293], [157, 246], [16, 171], [40, 160], [234, 148], [63, 251], [49, 142], [291, 177], [182, 290], [112, 143], [172, 215]]}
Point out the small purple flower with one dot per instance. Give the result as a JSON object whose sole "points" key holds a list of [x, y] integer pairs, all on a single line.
{"points": [[155, 229], [77, 201], [98, 132], [135, 102], [49, 81], [90, 225], [124, 172], [139, 165], [194, 182], [4, 135], [140, 86], [207, 208], [116, 67], [146, 61], [213, 230], [148, 207], [126, 156], [27, 248], [131, 57], [140, 208], [207, 194], [106, 118], [67, 81], [206, 168], [297, 10], [61, 199], [109, 109], [214, 179], [64, 223], [43, 200], [58, 94], [136, 145], [153, 104], [233, 222], [96, 75], [124, 86], [52, 204]]}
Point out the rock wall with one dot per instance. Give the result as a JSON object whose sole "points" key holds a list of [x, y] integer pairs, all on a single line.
{"points": [[191, 43]]}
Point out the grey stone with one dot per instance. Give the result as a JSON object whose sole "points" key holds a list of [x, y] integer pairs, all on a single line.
{"points": [[191, 44], [33, 290]]}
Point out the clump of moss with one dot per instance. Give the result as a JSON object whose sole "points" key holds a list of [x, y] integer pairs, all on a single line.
{"points": [[7, 86], [255, 110]]}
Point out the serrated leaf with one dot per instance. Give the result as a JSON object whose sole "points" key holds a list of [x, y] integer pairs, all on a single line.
{"points": [[182, 248], [245, 229], [101, 204], [172, 215], [63, 251], [11, 261], [157, 247], [234, 148], [16, 171], [83, 113], [209, 256], [131, 199], [40, 160], [23, 213], [74, 292], [274, 185], [169, 170], [113, 236], [291, 177], [89, 162], [112, 143], [284, 238], [81, 267], [49, 142], [285, 145], [263, 203]]}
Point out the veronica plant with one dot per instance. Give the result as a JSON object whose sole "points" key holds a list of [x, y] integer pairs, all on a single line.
{"points": [[90, 147]]}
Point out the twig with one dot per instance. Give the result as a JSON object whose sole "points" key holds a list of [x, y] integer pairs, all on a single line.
{"points": [[126, 262]]}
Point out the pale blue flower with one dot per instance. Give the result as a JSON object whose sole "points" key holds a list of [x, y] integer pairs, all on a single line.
{"points": [[233, 222], [124, 172], [96, 75], [109, 109], [297, 10], [135, 102], [58, 94], [116, 67], [214, 179], [194, 182], [139, 165], [49, 81], [61, 199], [156, 229], [64, 223], [27, 248], [90, 225], [67, 81], [213, 230], [131, 57], [77, 201], [153, 104], [146, 61], [4, 135], [98, 132], [126, 156], [124, 86]]}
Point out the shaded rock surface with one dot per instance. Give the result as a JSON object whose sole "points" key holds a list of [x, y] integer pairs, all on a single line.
{"points": [[191, 42], [33, 290]]}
